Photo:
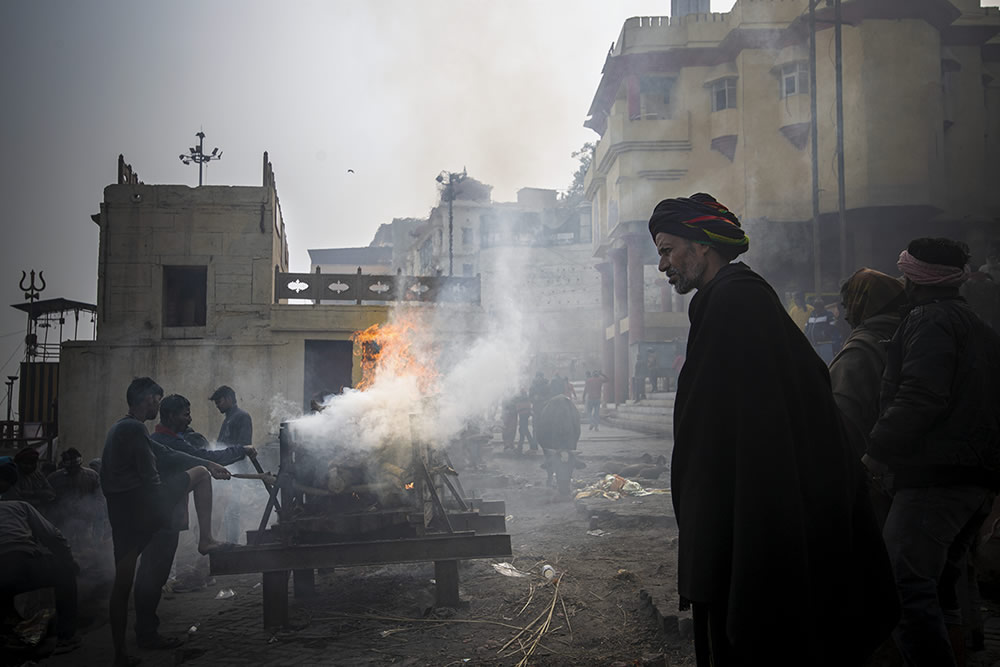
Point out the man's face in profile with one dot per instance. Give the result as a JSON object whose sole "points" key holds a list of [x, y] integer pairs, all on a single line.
{"points": [[683, 261]]}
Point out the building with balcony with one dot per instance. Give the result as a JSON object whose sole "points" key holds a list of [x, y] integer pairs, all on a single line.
{"points": [[720, 103], [194, 291]]}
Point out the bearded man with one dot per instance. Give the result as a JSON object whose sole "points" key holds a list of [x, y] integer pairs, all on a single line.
{"points": [[778, 549]]}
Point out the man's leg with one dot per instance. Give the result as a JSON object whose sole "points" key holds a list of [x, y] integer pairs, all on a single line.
{"points": [[118, 605], [152, 574], [922, 527], [200, 484]]}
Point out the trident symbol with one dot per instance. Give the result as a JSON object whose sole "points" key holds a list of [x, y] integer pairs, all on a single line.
{"points": [[32, 292]]}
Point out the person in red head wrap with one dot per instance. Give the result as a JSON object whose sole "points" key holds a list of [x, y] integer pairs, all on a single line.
{"points": [[936, 446]]}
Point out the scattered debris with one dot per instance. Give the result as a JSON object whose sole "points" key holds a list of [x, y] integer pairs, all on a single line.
{"points": [[615, 487], [597, 532], [549, 572], [225, 594], [508, 570], [624, 575]]}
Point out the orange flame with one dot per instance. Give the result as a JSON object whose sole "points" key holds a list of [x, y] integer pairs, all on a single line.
{"points": [[408, 486], [386, 348]]}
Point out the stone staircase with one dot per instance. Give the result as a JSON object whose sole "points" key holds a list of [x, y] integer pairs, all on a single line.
{"points": [[653, 415]]}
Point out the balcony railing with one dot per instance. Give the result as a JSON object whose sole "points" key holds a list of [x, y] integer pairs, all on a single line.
{"points": [[358, 288]]}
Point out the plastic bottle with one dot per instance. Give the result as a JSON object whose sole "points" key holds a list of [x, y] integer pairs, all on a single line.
{"points": [[549, 572]]}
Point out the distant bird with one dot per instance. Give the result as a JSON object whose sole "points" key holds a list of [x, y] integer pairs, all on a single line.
{"points": [[350, 171]]}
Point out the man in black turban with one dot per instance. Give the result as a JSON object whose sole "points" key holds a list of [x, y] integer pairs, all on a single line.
{"points": [[778, 548]]}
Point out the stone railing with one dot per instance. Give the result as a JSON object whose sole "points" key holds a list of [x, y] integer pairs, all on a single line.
{"points": [[358, 287]]}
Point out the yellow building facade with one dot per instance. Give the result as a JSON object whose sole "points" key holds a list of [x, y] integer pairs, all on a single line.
{"points": [[720, 103]]}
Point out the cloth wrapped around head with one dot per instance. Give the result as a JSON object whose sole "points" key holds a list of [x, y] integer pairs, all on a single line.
{"points": [[869, 293], [700, 219], [925, 273]]}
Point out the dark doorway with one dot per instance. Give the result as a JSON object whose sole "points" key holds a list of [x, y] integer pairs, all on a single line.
{"points": [[328, 366]]}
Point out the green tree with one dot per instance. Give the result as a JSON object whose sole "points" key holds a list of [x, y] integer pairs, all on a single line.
{"points": [[574, 193]]}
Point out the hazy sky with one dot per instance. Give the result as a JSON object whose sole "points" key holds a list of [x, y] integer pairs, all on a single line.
{"points": [[395, 90]]}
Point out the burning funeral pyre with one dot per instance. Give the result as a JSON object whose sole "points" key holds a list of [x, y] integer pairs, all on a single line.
{"points": [[367, 480]]}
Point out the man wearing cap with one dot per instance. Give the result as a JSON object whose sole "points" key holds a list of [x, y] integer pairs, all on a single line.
{"points": [[778, 550], [936, 446], [236, 430]]}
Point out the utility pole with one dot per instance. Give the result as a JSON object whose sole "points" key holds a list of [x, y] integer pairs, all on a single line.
{"points": [[197, 154], [449, 192], [817, 273], [11, 379], [841, 177]]}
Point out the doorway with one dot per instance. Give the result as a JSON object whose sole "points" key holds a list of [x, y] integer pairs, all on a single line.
{"points": [[327, 369]]}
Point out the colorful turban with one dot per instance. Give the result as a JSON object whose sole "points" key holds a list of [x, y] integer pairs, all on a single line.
{"points": [[868, 293], [700, 219], [937, 275]]}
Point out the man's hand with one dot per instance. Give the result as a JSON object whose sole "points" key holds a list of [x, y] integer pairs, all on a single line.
{"points": [[250, 451], [217, 471], [875, 467]]}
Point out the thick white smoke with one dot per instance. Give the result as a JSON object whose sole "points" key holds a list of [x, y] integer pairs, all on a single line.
{"points": [[455, 367]]}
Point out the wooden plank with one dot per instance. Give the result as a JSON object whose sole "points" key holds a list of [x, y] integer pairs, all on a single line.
{"points": [[269, 558]]}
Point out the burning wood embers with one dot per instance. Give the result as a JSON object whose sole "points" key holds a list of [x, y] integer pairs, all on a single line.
{"points": [[342, 506]]}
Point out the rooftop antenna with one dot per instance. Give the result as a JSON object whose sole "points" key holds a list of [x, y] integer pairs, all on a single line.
{"points": [[197, 154]]}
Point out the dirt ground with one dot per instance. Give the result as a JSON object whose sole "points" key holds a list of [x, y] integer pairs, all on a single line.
{"points": [[611, 603]]}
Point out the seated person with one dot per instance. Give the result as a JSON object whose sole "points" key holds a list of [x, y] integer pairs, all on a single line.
{"points": [[78, 502], [33, 555], [32, 486]]}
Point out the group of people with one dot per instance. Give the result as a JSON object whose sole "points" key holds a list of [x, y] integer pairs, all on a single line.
{"points": [[145, 480], [822, 510], [519, 413]]}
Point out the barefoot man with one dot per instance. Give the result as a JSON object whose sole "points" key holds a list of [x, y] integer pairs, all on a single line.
{"points": [[142, 481]]}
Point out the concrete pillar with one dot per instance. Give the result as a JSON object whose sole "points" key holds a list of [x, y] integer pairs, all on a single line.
{"points": [[636, 290], [607, 319], [620, 278]]}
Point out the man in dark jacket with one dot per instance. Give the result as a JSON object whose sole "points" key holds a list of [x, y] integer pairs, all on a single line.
{"points": [[778, 548], [936, 446], [158, 557]]}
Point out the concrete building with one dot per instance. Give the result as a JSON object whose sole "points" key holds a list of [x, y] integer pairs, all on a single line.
{"points": [[720, 103], [533, 255], [188, 280]]}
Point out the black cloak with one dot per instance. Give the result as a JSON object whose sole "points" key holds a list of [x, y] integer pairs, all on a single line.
{"points": [[770, 498]]}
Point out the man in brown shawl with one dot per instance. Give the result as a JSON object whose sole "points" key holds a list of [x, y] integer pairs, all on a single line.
{"points": [[778, 549]]}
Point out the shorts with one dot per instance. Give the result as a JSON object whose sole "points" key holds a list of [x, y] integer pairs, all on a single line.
{"points": [[135, 515]]}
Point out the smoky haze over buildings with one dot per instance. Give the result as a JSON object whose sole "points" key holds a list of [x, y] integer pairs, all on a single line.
{"points": [[393, 91]]}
